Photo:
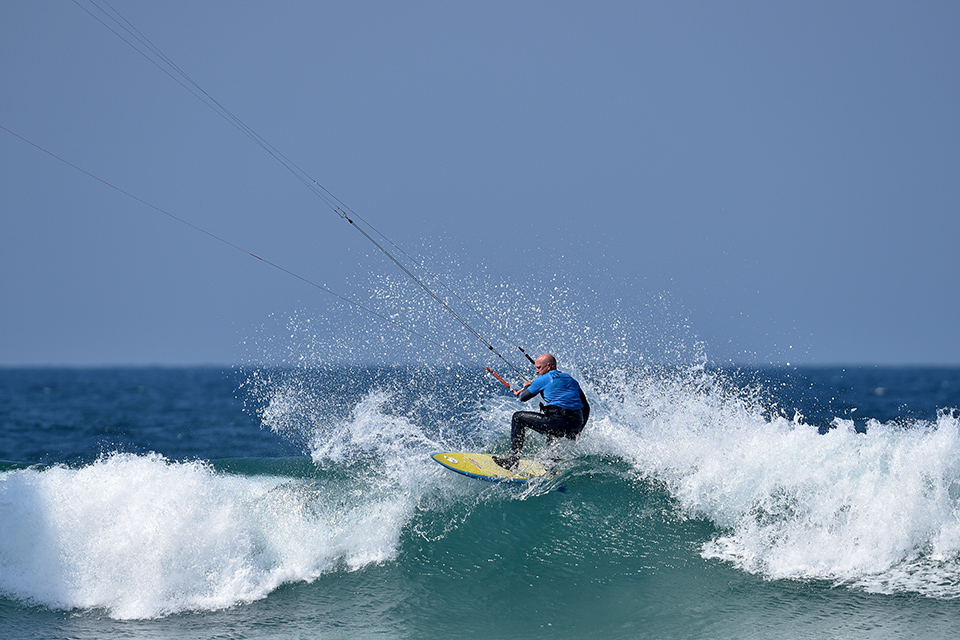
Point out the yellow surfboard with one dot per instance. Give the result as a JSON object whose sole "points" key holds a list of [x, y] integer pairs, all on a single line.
{"points": [[481, 465]]}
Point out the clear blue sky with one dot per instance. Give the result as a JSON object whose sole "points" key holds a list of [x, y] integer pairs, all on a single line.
{"points": [[777, 180]]}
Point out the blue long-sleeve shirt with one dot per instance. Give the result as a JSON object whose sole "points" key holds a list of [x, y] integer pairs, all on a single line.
{"points": [[558, 389]]}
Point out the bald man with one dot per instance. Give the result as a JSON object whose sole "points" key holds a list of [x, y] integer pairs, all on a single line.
{"points": [[563, 415]]}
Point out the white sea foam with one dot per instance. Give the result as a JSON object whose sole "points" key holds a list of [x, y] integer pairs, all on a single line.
{"points": [[140, 536], [371, 431], [879, 510]]}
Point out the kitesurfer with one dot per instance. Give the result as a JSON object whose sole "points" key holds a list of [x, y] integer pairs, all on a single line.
{"points": [[563, 416]]}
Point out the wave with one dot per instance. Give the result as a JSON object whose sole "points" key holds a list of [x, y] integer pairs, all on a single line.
{"points": [[876, 507], [141, 536]]}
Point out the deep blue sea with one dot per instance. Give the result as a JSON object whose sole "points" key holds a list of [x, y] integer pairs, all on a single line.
{"points": [[302, 503]]}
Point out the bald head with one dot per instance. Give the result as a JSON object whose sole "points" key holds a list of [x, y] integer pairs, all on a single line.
{"points": [[545, 363]]}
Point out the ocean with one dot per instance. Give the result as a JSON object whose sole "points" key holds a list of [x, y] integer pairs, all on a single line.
{"points": [[301, 502]]}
